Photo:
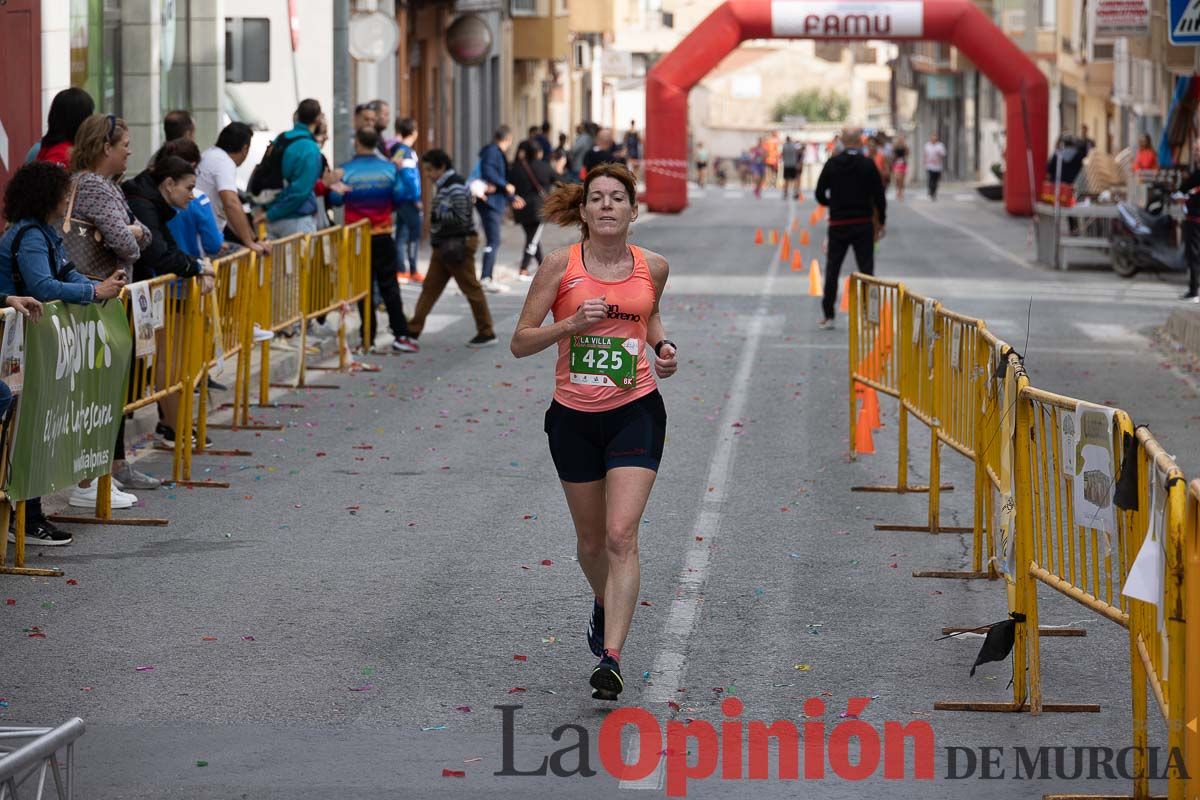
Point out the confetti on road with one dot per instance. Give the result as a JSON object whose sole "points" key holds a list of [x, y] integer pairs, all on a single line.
{"points": [[453, 773], [144, 668], [441, 727]]}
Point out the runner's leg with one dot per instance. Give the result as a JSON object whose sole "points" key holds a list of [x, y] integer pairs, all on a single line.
{"points": [[436, 277], [468, 282], [587, 505], [628, 489], [833, 267]]}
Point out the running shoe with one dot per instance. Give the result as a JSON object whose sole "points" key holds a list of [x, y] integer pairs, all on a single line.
{"points": [[606, 679], [595, 630], [404, 344], [416, 277], [262, 335], [126, 477], [402, 278], [1190, 298], [826, 324], [42, 533], [167, 435], [524, 276], [85, 496], [482, 341]]}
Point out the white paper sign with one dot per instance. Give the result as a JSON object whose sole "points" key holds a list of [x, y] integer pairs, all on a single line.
{"points": [[327, 250], [158, 306], [12, 352], [1066, 427], [289, 260], [955, 344], [1093, 477], [232, 279], [873, 305], [1145, 579], [143, 319], [851, 19]]}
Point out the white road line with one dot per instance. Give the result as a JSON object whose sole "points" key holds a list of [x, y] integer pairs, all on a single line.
{"points": [[670, 664], [1109, 332], [439, 322], [983, 240]]}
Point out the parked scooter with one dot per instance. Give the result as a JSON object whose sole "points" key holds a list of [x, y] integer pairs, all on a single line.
{"points": [[1145, 238]]}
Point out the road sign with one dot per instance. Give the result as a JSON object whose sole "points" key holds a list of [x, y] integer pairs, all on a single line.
{"points": [[1183, 22]]}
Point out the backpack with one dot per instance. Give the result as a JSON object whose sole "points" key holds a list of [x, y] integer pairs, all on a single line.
{"points": [[266, 182]]}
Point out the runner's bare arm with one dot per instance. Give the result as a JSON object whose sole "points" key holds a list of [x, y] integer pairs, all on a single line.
{"points": [[664, 363], [531, 337]]}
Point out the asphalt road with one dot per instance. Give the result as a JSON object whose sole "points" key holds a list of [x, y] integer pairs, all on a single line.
{"points": [[343, 621]]}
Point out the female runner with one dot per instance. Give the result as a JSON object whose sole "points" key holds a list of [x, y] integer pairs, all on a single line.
{"points": [[607, 422]]}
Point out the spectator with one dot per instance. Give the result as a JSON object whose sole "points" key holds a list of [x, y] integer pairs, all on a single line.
{"points": [[100, 154], [195, 227], [561, 151], [33, 261], [293, 209], [408, 208], [383, 124], [324, 216], [493, 171], [68, 110], [216, 176], [373, 188], [584, 139], [156, 196], [178, 124], [454, 240], [543, 141], [1146, 158], [533, 178], [364, 116], [603, 152], [531, 139], [633, 147], [935, 161]]}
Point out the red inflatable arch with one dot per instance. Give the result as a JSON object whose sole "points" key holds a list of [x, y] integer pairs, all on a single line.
{"points": [[958, 22]]}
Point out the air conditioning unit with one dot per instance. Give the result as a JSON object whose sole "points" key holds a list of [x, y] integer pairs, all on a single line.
{"points": [[583, 54]]}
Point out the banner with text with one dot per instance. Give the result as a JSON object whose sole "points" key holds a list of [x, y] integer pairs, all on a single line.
{"points": [[76, 369]]}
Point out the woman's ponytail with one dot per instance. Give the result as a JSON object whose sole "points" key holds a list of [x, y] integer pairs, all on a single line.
{"points": [[564, 205]]}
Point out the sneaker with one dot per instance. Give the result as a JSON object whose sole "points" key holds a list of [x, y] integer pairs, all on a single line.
{"points": [[85, 497], [1190, 298], [126, 477], [606, 679], [261, 335], [482, 341], [826, 324], [402, 278], [524, 276], [166, 434], [416, 277], [490, 285], [595, 630], [404, 344], [42, 533]]}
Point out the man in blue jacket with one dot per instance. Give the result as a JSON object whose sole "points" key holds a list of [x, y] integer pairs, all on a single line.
{"points": [[293, 208], [408, 207], [493, 170]]}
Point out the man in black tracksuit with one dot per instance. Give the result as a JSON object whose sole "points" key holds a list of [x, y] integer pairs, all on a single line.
{"points": [[850, 185], [1191, 235]]}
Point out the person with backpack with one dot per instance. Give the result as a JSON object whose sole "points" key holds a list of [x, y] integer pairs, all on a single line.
{"points": [[286, 179], [533, 178], [408, 208], [493, 171], [34, 262]]}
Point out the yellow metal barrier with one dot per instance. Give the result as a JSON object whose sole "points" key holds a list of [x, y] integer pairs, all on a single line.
{"points": [[160, 377], [277, 305], [1190, 720], [326, 283], [359, 277], [230, 305]]}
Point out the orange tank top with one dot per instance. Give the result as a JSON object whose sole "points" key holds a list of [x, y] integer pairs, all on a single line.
{"points": [[608, 366]]}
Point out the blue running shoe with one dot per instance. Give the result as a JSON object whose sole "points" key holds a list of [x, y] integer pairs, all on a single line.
{"points": [[595, 631], [606, 679]]}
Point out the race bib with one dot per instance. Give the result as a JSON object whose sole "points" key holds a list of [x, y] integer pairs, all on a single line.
{"points": [[604, 361]]}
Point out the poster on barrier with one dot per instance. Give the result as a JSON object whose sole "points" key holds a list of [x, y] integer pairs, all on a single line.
{"points": [[1006, 514], [77, 364], [12, 352], [1147, 575], [289, 259], [1093, 477], [158, 304], [327, 250], [143, 319], [873, 305], [955, 345], [1066, 428], [233, 278], [928, 316]]}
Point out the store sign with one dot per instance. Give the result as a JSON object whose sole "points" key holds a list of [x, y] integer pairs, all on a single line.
{"points": [[1113, 19], [469, 40], [847, 20], [1183, 21]]}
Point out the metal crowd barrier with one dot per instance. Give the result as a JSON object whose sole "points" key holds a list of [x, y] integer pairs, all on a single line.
{"points": [[1137, 524], [36, 764]]}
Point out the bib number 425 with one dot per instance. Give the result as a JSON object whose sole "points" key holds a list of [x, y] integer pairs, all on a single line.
{"points": [[604, 361]]}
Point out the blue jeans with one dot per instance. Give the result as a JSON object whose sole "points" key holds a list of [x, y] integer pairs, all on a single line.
{"points": [[490, 218], [408, 236], [286, 227]]}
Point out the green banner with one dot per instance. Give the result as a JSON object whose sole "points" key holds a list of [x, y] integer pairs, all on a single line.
{"points": [[76, 368]]}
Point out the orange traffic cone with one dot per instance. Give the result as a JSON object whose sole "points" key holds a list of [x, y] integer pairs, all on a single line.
{"points": [[797, 262], [844, 304], [774, 236], [785, 251], [813, 219], [871, 408], [820, 213], [795, 225], [863, 443], [758, 236], [804, 240], [815, 287]]}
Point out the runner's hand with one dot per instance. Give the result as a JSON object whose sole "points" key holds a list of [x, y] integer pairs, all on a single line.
{"points": [[665, 363], [879, 234], [589, 313], [26, 307]]}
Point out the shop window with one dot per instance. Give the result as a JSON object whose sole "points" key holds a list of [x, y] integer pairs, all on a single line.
{"points": [[247, 50]]}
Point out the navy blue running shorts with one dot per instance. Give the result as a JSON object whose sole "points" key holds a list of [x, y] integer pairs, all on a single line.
{"points": [[586, 445]]}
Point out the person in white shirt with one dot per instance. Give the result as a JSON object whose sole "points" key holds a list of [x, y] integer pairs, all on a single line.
{"points": [[935, 160], [217, 177]]}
